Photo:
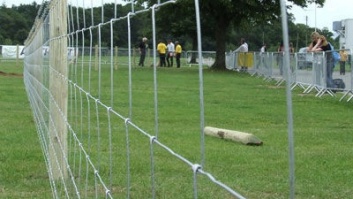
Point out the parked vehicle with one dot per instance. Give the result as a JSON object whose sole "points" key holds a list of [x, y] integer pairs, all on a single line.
{"points": [[305, 59]]}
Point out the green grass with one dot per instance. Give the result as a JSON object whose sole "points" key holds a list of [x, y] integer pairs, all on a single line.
{"points": [[22, 167], [322, 133]]}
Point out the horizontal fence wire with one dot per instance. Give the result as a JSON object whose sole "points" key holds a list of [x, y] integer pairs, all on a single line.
{"points": [[89, 133]]}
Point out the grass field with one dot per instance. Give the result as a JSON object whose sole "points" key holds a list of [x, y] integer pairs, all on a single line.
{"points": [[322, 128], [22, 169]]}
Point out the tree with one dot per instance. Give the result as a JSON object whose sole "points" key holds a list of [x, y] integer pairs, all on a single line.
{"points": [[223, 23], [242, 13], [224, 14], [16, 22]]}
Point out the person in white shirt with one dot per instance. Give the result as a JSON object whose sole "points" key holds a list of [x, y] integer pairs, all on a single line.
{"points": [[170, 54], [262, 55], [241, 50], [243, 46], [263, 49]]}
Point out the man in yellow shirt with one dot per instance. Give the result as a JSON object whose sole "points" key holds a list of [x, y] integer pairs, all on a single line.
{"points": [[177, 53], [161, 49]]}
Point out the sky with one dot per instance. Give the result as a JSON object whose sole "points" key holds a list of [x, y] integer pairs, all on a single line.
{"points": [[333, 10], [9, 3]]}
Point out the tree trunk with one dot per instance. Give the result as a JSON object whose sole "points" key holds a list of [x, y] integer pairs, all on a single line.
{"points": [[220, 34], [194, 48]]}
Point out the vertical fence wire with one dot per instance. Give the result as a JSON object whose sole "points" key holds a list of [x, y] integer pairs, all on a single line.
{"points": [[289, 101], [92, 113]]}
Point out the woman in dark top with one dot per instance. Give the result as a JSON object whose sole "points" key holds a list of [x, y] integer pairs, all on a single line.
{"points": [[319, 43]]}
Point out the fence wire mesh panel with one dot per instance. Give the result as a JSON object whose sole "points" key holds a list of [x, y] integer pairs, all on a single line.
{"points": [[87, 99], [311, 72], [90, 97]]}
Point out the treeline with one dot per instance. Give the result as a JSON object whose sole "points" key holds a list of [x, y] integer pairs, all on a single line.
{"points": [[16, 23]]}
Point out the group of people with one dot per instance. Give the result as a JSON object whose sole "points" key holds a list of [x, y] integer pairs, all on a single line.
{"points": [[165, 52]]}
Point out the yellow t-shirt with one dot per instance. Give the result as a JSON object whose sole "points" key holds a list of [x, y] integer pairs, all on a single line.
{"points": [[343, 55], [178, 49], [161, 48]]}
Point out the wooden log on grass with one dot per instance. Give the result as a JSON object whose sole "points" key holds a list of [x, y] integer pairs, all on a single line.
{"points": [[237, 136]]}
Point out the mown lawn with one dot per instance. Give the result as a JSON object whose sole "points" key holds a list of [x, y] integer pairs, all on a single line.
{"points": [[322, 135]]}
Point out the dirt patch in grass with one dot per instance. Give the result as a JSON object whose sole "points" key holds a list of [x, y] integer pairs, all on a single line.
{"points": [[10, 74]]}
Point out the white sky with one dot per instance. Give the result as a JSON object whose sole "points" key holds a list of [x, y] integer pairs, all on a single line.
{"points": [[333, 10], [9, 3]]}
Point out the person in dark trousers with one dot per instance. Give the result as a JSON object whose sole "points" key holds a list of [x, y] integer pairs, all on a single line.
{"points": [[161, 49], [143, 48], [177, 53], [319, 43]]}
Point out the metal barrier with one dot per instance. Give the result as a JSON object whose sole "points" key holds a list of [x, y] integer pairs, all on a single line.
{"points": [[311, 72], [208, 58]]}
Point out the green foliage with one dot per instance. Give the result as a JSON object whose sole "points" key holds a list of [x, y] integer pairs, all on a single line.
{"points": [[16, 22], [256, 21], [8, 42], [223, 23]]}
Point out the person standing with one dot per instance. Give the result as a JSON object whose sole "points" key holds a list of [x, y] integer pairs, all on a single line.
{"points": [[280, 51], [343, 60], [161, 49], [142, 48], [177, 53], [291, 48], [319, 43], [263, 49], [262, 61], [242, 50], [170, 54]]}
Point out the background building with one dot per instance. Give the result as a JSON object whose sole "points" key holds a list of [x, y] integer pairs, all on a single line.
{"points": [[345, 30]]}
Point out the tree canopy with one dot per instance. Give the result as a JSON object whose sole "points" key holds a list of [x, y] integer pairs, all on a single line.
{"points": [[221, 18], [16, 22], [223, 23]]}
